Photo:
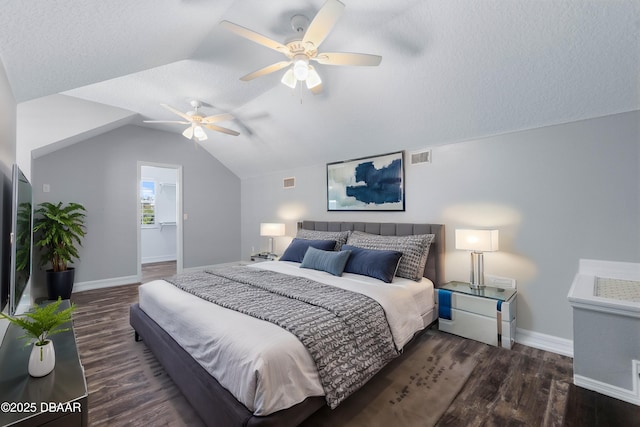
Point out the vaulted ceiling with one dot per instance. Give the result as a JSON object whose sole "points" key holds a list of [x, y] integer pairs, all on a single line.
{"points": [[451, 70]]}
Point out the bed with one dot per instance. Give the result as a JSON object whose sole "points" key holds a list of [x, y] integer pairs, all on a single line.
{"points": [[216, 374]]}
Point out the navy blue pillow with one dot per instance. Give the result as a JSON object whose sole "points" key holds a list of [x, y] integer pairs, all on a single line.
{"points": [[330, 261], [298, 247], [372, 262]]}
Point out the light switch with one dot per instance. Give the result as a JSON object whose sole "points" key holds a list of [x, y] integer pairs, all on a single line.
{"points": [[46, 188]]}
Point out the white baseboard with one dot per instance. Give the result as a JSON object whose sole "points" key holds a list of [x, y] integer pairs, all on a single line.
{"points": [[125, 280], [105, 283], [161, 258], [631, 396], [545, 342]]}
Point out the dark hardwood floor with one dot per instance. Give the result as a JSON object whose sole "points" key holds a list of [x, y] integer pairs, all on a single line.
{"points": [[519, 387], [158, 270], [588, 408]]}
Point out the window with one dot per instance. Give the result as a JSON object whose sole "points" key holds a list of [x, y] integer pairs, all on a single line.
{"points": [[148, 202]]}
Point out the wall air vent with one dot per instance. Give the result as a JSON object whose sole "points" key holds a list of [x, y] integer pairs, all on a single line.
{"points": [[421, 157], [289, 182]]}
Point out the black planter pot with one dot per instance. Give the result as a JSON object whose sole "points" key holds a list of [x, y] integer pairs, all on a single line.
{"points": [[60, 283]]}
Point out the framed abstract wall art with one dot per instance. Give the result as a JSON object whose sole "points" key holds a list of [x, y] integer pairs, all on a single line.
{"points": [[367, 184]]}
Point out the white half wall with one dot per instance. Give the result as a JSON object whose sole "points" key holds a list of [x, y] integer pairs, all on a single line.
{"points": [[557, 194]]}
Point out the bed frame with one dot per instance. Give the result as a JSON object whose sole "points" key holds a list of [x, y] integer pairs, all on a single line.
{"points": [[213, 403]]}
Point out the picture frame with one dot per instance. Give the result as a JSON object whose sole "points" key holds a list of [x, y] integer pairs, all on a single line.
{"points": [[374, 183]]}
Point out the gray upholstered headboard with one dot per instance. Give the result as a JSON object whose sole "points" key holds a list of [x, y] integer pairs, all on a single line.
{"points": [[435, 263]]}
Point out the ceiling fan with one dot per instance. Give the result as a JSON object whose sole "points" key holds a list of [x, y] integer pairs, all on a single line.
{"points": [[197, 122], [303, 48]]}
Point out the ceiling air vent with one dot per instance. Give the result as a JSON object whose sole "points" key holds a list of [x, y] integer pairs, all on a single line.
{"points": [[289, 182], [421, 157]]}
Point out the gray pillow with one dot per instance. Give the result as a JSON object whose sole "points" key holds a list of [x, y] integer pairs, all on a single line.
{"points": [[330, 261], [414, 248], [339, 236]]}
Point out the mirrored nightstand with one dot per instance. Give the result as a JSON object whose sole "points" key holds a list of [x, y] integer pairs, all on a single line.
{"points": [[487, 315], [264, 257]]}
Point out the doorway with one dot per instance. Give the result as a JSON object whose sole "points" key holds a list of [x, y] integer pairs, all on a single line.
{"points": [[159, 219]]}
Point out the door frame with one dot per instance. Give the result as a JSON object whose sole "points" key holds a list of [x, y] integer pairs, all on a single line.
{"points": [[179, 215]]}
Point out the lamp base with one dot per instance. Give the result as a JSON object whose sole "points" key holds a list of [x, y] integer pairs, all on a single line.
{"points": [[476, 278]]}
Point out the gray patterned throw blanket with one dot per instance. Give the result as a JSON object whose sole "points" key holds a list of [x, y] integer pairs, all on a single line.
{"points": [[345, 332]]}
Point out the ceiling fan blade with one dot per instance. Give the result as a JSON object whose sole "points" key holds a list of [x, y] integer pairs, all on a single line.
{"points": [[316, 90], [323, 22], [266, 70], [344, 58], [255, 37], [223, 130], [166, 121], [178, 112], [218, 118]]}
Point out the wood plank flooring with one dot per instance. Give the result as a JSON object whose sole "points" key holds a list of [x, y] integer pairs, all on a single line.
{"points": [[158, 270], [521, 387]]}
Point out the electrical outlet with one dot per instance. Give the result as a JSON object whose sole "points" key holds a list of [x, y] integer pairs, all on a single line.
{"points": [[499, 282]]}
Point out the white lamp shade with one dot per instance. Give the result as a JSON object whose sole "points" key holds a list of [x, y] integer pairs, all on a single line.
{"points": [[271, 229], [313, 79], [289, 79], [199, 133], [188, 132], [477, 240]]}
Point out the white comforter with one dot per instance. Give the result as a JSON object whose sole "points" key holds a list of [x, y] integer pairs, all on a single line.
{"points": [[249, 357]]}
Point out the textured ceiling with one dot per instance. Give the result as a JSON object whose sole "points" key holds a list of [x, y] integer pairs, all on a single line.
{"points": [[451, 70]]}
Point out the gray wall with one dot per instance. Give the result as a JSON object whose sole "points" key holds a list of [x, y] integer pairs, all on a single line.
{"points": [[101, 173], [557, 194], [7, 158]]}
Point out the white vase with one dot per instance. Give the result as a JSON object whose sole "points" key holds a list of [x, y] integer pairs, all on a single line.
{"points": [[42, 359]]}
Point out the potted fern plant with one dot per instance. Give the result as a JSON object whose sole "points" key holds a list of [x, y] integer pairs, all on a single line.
{"points": [[58, 229], [38, 325]]}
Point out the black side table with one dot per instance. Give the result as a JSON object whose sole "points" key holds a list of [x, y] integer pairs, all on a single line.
{"points": [[57, 399]]}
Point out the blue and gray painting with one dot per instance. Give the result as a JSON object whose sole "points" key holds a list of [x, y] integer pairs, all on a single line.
{"points": [[380, 185]]}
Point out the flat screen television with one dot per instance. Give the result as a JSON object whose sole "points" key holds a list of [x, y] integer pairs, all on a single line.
{"points": [[21, 239]]}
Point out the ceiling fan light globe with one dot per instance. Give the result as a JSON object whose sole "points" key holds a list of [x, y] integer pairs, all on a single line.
{"points": [[289, 79], [313, 79], [188, 132], [199, 133], [301, 69]]}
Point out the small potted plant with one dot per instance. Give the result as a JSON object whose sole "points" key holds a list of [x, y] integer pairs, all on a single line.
{"points": [[39, 324], [57, 230]]}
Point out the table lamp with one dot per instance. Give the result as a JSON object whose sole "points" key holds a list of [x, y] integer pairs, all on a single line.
{"points": [[477, 241], [271, 230]]}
